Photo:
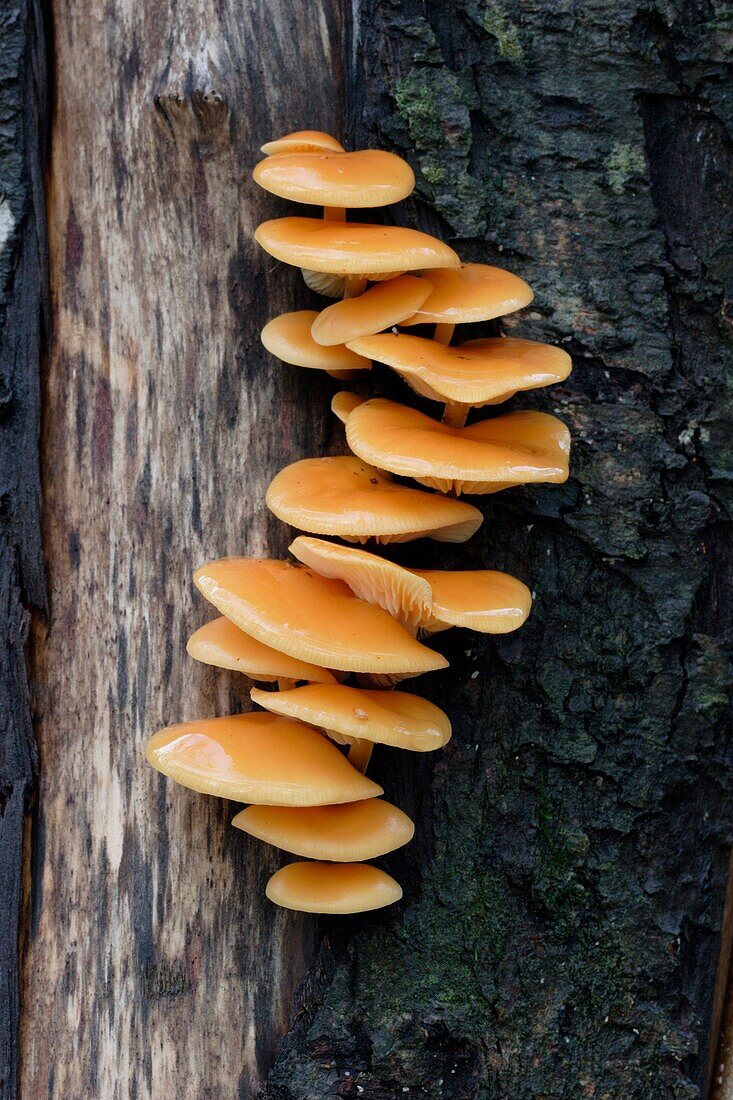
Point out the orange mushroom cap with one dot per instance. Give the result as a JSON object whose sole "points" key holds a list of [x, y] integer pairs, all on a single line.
{"points": [[406, 596], [260, 758], [429, 600], [368, 178], [515, 449], [478, 373], [472, 292], [351, 248], [224, 645], [289, 338], [480, 599], [346, 497], [332, 888], [293, 609], [303, 141], [395, 718], [351, 831], [380, 307]]}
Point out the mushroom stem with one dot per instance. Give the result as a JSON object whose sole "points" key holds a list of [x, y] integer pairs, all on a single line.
{"points": [[354, 286], [360, 754], [455, 414], [284, 683], [334, 213], [444, 333]]}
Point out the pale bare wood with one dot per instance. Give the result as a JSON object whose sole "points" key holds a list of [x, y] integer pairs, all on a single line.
{"points": [[155, 966]]}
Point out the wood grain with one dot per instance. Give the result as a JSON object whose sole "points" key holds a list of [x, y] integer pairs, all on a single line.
{"points": [[155, 967]]}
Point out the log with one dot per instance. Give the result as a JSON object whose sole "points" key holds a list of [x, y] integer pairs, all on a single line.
{"points": [[564, 896]]}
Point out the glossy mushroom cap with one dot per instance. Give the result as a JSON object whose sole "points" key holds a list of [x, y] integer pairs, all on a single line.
{"points": [[351, 831], [380, 307], [312, 618], [368, 178], [303, 141], [517, 449], [224, 645], [481, 372], [289, 338], [405, 595], [352, 248], [394, 718], [332, 888], [259, 758], [480, 599], [472, 292], [343, 404], [346, 497]]}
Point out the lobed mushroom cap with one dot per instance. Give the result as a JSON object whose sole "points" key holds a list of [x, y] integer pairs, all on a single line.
{"points": [[259, 758], [472, 292], [394, 718], [303, 141], [480, 599], [481, 372], [346, 497], [332, 888], [352, 248], [224, 645], [351, 831], [289, 338], [405, 595], [515, 449], [380, 307], [368, 178], [291, 608]]}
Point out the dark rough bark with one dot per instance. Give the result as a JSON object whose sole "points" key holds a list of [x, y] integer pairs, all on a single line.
{"points": [[23, 297], [561, 924]]}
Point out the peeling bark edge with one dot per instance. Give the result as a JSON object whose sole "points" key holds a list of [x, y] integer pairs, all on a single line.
{"points": [[24, 304]]}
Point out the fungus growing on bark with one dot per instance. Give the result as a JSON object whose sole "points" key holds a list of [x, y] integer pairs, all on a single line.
{"points": [[344, 833], [470, 293], [303, 141], [332, 888], [289, 338], [380, 307], [346, 497], [361, 180], [260, 758], [293, 609], [346, 713], [224, 645], [517, 449]]}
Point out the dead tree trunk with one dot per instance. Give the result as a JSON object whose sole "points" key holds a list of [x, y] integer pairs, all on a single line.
{"points": [[560, 931]]}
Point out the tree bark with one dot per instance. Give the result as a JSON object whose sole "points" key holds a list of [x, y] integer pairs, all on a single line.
{"points": [[23, 309], [561, 926]]}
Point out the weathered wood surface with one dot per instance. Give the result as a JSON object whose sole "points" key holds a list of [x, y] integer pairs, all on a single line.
{"points": [[561, 925], [155, 968], [23, 305]]}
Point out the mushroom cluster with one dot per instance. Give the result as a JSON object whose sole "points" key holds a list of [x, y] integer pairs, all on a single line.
{"points": [[338, 627]]}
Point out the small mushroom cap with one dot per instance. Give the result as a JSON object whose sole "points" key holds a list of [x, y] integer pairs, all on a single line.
{"points": [[516, 449], [351, 831], [346, 497], [224, 645], [472, 292], [259, 758], [303, 141], [343, 404], [289, 338], [380, 307], [332, 888], [405, 595], [480, 599], [481, 372], [293, 609], [368, 178], [386, 717], [352, 248]]}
